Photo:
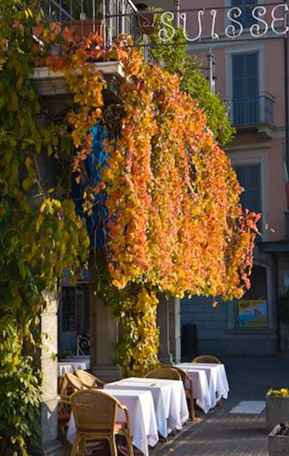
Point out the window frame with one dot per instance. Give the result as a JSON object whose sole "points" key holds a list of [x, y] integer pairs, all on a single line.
{"points": [[232, 309], [261, 162], [243, 49]]}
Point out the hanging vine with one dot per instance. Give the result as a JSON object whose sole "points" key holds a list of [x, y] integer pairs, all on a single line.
{"points": [[174, 224], [169, 200]]}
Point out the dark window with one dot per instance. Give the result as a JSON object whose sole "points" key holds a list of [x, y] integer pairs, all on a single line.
{"points": [[246, 7], [245, 85], [249, 177], [68, 309]]}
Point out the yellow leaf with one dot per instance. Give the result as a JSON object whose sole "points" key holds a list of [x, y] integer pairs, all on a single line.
{"points": [[27, 183]]}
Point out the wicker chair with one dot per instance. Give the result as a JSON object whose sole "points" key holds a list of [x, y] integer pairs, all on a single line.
{"points": [[207, 359], [188, 390], [168, 373], [68, 385], [95, 419], [73, 383], [63, 412], [88, 380]]}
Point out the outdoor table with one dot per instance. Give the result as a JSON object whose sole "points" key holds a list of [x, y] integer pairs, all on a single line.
{"points": [[71, 365], [169, 400], [200, 388], [217, 379], [142, 418]]}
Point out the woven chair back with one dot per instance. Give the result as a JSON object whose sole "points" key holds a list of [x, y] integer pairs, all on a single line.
{"points": [[208, 359], [74, 382], [168, 373], [88, 380], [94, 411], [184, 377]]}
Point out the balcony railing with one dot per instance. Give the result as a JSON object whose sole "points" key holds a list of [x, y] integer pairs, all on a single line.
{"points": [[111, 17], [119, 16], [252, 111]]}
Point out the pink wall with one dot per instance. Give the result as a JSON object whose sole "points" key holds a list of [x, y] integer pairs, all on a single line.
{"points": [[256, 147]]}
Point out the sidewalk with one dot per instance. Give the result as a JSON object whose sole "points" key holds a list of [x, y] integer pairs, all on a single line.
{"points": [[225, 434]]}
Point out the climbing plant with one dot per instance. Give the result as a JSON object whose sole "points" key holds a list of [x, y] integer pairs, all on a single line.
{"points": [[158, 195], [177, 59], [174, 222], [40, 233]]}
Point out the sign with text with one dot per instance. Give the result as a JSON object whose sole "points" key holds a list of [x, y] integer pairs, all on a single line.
{"points": [[207, 24]]}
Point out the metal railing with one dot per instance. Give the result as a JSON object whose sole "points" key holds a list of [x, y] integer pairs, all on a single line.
{"points": [[119, 17], [252, 111], [114, 17], [64, 10]]}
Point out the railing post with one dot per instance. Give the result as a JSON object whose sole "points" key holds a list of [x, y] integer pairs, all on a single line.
{"points": [[93, 16], [122, 21], [104, 20], [110, 24], [262, 109]]}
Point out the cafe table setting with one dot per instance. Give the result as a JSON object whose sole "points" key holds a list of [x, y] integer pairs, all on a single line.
{"points": [[168, 396], [217, 386], [141, 415]]}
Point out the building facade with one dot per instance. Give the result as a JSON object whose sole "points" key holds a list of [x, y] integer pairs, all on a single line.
{"points": [[250, 72], [250, 78]]}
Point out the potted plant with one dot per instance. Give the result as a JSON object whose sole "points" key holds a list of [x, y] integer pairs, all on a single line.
{"points": [[277, 407], [278, 440]]}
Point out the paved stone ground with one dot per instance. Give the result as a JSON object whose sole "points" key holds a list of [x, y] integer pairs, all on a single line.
{"points": [[223, 434]]}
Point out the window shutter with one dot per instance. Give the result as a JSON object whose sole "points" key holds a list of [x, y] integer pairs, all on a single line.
{"points": [[245, 84]]}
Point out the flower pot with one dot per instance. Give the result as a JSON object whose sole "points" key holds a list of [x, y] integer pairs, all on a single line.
{"points": [[277, 411], [278, 445]]}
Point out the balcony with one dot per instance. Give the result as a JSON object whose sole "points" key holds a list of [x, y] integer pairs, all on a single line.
{"points": [[107, 17], [253, 112]]}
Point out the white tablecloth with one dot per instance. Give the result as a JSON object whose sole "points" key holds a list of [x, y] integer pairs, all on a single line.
{"points": [[141, 414], [169, 400], [72, 365], [200, 387], [218, 386]]}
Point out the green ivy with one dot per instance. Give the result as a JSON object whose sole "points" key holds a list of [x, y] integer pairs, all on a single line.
{"points": [[175, 58], [40, 233]]}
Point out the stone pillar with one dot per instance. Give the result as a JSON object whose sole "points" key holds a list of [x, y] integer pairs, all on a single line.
{"points": [[175, 328], [103, 336], [48, 360], [164, 326]]}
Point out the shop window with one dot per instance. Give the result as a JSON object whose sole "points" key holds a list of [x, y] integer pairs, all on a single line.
{"points": [[251, 312], [74, 321]]}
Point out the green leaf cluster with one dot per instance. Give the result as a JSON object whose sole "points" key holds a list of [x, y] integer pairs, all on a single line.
{"points": [[40, 232], [175, 57]]}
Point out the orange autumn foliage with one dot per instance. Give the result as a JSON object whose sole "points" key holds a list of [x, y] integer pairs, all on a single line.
{"points": [[173, 197], [175, 221]]}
